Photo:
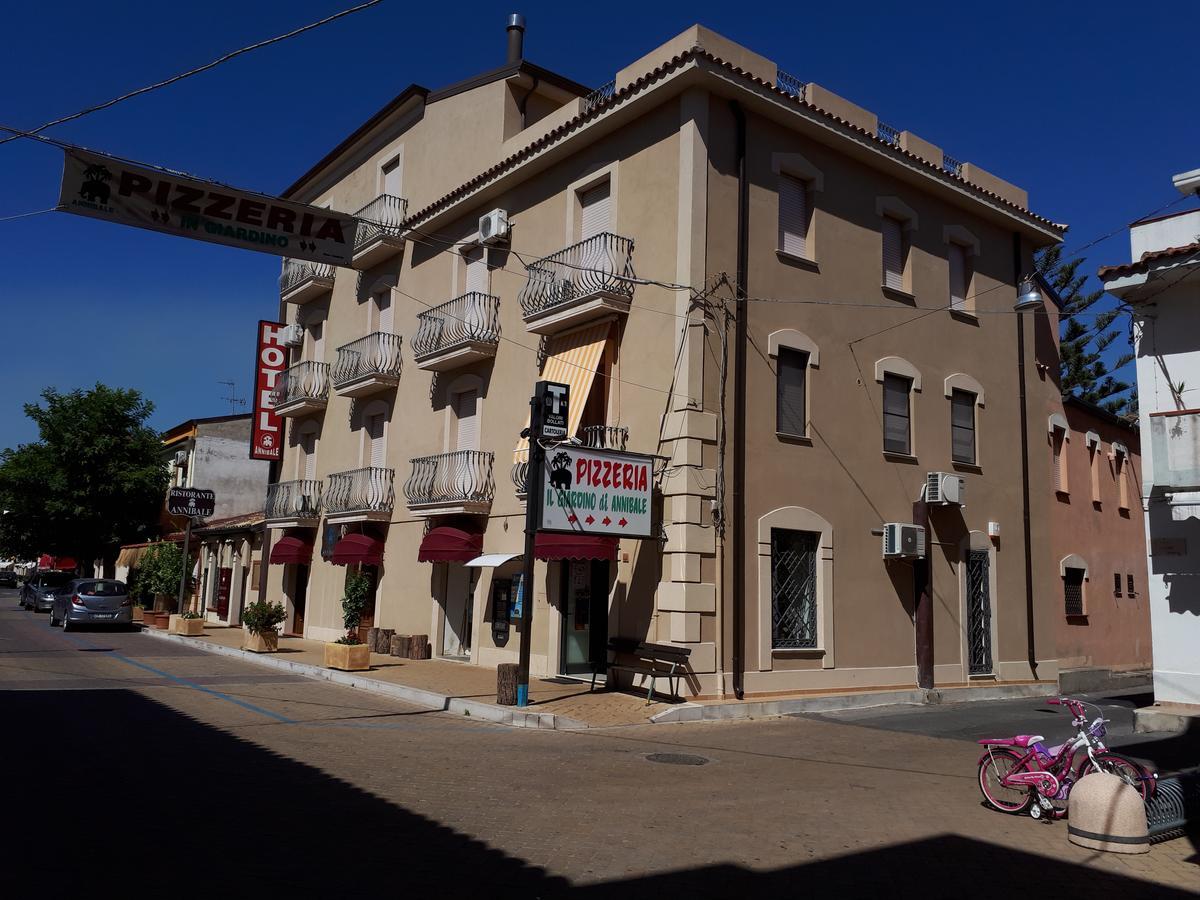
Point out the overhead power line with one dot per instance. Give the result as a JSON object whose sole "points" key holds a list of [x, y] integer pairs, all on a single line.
{"points": [[16, 133]]}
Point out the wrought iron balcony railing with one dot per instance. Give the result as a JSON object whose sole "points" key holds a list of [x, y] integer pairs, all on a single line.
{"points": [[297, 270], [382, 216], [293, 500], [462, 477], [520, 477], [471, 318], [790, 84], [600, 264], [306, 380], [599, 95], [889, 133], [361, 490], [605, 437], [376, 354]]}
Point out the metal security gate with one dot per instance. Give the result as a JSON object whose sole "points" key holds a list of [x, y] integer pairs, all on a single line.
{"points": [[979, 614], [793, 589]]}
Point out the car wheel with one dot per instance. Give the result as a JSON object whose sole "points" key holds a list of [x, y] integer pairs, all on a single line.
{"points": [[53, 621], [65, 624]]}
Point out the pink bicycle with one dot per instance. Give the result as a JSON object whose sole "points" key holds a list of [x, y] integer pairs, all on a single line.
{"points": [[1020, 773]]}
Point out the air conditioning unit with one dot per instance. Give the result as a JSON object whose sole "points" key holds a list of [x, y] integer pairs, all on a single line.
{"points": [[292, 336], [493, 227], [181, 457], [902, 541], [945, 489]]}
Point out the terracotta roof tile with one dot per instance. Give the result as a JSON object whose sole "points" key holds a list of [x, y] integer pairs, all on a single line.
{"points": [[1148, 258]]}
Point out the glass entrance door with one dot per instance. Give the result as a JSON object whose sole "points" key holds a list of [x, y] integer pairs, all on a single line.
{"points": [[585, 616]]}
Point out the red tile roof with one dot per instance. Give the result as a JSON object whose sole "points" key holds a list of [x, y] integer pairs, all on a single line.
{"points": [[1148, 258]]}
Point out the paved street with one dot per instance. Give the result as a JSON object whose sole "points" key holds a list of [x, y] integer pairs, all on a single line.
{"points": [[135, 764]]}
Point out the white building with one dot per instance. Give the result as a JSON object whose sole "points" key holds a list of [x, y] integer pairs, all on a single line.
{"points": [[1162, 284]]}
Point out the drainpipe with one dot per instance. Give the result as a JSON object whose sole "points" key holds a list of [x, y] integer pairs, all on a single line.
{"points": [[739, 412], [1031, 647]]}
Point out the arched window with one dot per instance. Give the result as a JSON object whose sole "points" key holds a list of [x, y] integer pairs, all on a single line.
{"points": [[795, 585]]}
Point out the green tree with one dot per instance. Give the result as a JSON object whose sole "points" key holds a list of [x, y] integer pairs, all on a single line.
{"points": [[160, 568], [1085, 333], [92, 481]]}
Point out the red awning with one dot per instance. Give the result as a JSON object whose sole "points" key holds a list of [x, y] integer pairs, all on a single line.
{"points": [[446, 544], [62, 563], [291, 550], [574, 546], [357, 548]]}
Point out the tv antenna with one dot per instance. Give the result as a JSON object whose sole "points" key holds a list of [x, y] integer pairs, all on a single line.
{"points": [[233, 399]]}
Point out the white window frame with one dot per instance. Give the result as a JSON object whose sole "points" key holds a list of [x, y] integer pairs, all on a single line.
{"points": [[796, 518]]}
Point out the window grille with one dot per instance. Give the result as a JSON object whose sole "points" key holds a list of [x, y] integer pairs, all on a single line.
{"points": [[793, 589], [979, 614], [1073, 592]]}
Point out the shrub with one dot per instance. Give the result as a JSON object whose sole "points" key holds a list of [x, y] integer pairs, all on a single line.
{"points": [[191, 614], [354, 604], [261, 616]]}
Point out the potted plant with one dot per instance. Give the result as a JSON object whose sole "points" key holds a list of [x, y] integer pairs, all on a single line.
{"points": [[191, 623], [259, 621], [159, 571], [349, 653]]}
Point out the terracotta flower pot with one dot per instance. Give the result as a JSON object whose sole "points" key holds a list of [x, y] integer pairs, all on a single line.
{"points": [[348, 657], [263, 642], [161, 620], [139, 614]]}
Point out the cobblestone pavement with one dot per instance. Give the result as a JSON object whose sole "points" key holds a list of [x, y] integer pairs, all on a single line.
{"points": [[135, 765]]}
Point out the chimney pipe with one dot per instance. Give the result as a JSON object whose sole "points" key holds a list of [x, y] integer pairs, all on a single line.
{"points": [[516, 38]]}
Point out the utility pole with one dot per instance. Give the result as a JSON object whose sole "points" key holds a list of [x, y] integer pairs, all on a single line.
{"points": [[533, 516]]}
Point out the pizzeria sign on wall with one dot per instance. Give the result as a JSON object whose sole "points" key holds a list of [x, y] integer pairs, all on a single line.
{"points": [[597, 492]]}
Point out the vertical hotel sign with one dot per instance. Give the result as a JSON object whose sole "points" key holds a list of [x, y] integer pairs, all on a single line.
{"points": [[266, 439]]}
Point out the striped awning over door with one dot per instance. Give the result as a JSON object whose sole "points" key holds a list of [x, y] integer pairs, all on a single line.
{"points": [[572, 360]]}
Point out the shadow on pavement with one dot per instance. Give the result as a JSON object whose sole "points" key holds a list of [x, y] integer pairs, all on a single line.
{"points": [[109, 791]]}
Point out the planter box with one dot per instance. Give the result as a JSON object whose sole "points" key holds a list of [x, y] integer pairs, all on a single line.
{"points": [[159, 619], [348, 657], [266, 642], [139, 614], [189, 627]]}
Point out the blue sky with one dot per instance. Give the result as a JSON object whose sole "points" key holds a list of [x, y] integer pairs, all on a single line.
{"points": [[1087, 110]]}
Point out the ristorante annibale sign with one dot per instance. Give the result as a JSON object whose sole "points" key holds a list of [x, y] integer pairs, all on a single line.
{"points": [[102, 187]]}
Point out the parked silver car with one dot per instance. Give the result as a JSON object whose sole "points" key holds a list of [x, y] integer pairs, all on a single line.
{"points": [[37, 593], [92, 601]]}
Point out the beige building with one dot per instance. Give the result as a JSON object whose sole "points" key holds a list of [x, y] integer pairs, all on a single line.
{"points": [[627, 219]]}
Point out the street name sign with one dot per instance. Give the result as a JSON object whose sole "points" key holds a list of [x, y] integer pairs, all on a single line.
{"points": [[103, 187], [266, 433], [597, 492], [195, 503], [555, 400]]}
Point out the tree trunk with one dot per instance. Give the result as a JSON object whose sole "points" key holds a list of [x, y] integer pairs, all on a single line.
{"points": [[418, 647], [398, 645], [383, 640], [506, 683]]}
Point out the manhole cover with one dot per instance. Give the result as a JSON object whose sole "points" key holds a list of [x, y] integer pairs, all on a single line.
{"points": [[678, 759]]}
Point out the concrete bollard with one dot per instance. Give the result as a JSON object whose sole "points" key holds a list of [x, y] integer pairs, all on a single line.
{"points": [[1105, 813]]}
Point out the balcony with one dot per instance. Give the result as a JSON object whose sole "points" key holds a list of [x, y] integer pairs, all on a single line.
{"points": [[292, 504], [457, 482], [462, 331], [587, 281], [596, 437], [301, 281], [378, 235], [368, 365], [302, 389], [362, 495]]}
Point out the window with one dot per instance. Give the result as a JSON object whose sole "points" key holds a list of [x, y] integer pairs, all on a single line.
{"points": [[382, 312], [962, 426], [1058, 440], [790, 409], [316, 341], [897, 432], [375, 438], [391, 177], [466, 418], [595, 211], [1073, 591], [306, 462], [1094, 466], [893, 253], [1130, 587], [475, 260], [793, 216], [793, 589], [1117, 583], [1120, 456], [960, 278]]}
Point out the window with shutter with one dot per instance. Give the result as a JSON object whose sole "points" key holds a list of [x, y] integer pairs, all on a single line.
{"points": [[790, 412], [595, 211], [1073, 592], [384, 314], [391, 178], [896, 414], [1060, 475], [375, 436], [466, 409], [893, 253], [958, 277], [793, 216], [477, 270], [308, 442], [962, 426], [1122, 481]]}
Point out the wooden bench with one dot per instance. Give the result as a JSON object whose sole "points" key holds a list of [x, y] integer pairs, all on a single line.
{"points": [[653, 660]]}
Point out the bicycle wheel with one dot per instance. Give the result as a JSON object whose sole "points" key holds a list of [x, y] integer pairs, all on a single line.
{"points": [[993, 766], [1125, 769]]}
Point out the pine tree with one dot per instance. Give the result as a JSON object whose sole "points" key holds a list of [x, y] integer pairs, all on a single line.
{"points": [[1084, 335]]}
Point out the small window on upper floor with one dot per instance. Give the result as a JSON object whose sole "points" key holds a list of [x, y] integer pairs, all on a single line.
{"points": [[897, 414], [960, 278], [962, 426], [1120, 472], [1131, 591], [390, 177], [790, 389], [895, 253], [595, 210], [1058, 443], [793, 216], [1117, 583]]}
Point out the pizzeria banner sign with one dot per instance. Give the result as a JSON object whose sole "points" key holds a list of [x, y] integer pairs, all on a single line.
{"points": [[102, 187], [597, 492]]}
